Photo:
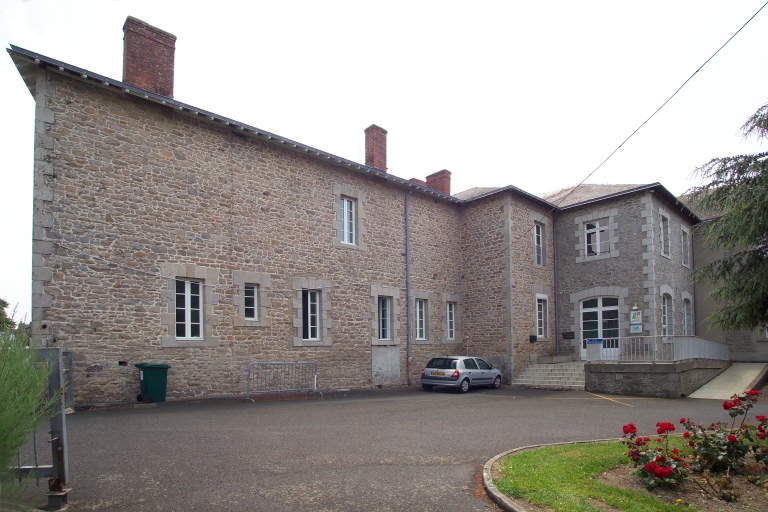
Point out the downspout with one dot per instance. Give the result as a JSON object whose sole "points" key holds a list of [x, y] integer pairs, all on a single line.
{"points": [[408, 356], [557, 296]]}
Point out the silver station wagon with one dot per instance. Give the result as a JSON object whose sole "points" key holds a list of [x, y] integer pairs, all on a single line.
{"points": [[460, 372]]}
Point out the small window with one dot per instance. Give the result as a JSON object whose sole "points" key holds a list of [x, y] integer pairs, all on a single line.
{"points": [[664, 235], [596, 237], [685, 247], [538, 243], [482, 364], [542, 316], [450, 316], [310, 307], [470, 364], [666, 304], [189, 309], [251, 301], [421, 319], [385, 318], [347, 220]]}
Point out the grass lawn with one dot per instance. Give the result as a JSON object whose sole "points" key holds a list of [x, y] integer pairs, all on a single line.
{"points": [[561, 478]]}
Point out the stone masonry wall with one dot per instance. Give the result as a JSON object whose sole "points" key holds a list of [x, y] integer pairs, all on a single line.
{"points": [[131, 195]]}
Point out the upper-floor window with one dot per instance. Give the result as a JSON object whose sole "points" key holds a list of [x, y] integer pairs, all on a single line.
{"points": [[685, 247], [385, 318], [596, 237], [189, 309], [664, 235], [251, 301], [542, 316], [450, 320], [347, 220], [310, 309], [538, 243], [421, 319]]}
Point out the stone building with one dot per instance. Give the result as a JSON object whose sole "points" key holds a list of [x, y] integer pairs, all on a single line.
{"points": [[164, 232], [623, 249]]}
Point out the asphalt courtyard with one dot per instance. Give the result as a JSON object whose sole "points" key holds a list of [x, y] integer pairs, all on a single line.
{"points": [[378, 450]]}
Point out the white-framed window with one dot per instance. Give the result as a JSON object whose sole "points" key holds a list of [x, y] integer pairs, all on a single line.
{"points": [[189, 309], [687, 318], [596, 237], [421, 319], [347, 220], [542, 316], [450, 321], [538, 243], [685, 247], [600, 319], [666, 315], [251, 301], [385, 318], [664, 235], [310, 309]]}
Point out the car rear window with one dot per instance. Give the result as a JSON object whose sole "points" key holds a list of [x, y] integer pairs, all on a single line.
{"points": [[442, 363]]}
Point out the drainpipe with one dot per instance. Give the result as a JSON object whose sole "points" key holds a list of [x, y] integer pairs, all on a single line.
{"points": [[408, 357], [557, 296]]}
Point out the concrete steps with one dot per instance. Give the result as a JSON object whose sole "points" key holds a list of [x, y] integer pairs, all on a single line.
{"points": [[568, 375]]}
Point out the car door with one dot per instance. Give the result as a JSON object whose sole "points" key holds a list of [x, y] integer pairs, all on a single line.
{"points": [[472, 370], [485, 371]]}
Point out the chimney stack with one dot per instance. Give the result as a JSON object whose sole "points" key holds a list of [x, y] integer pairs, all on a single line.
{"points": [[440, 181], [376, 147], [148, 56]]}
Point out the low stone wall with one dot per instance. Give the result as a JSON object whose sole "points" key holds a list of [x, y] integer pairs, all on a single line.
{"points": [[661, 380]]}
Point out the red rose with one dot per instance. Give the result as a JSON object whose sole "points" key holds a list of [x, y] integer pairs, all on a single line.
{"points": [[727, 405], [682, 420], [691, 443], [686, 434], [650, 467], [630, 428], [761, 435], [762, 417], [752, 392], [675, 451], [732, 438]]}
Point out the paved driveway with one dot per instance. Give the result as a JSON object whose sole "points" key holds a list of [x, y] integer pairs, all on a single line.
{"points": [[379, 450]]}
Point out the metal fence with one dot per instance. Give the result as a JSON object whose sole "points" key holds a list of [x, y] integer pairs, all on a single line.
{"points": [[652, 349], [32, 460], [282, 377]]}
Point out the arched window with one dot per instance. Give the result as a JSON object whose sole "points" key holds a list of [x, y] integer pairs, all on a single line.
{"points": [[687, 318], [666, 315], [599, 319]]}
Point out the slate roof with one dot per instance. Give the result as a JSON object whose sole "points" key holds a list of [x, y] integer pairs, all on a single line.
{"points": [[585, 192]]}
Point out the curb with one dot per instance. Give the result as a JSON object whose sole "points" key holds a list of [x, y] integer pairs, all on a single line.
{"points": [[503, 500]]}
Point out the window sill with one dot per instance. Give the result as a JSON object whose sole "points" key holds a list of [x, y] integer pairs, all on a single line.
{"points": [[172, 342], [376, 342], [300, 342]]}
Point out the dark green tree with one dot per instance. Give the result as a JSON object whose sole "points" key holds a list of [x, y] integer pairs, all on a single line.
{"points": [[736, 190], [6, 322]]}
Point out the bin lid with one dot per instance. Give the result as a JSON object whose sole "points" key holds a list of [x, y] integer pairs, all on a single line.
{"points": [[152, 365]]}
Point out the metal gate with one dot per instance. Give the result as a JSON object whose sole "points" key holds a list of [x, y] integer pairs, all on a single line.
{"points": [[55, 469], [281, 378]]}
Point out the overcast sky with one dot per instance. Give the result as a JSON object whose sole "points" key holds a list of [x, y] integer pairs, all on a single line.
{"points": [[531, 94]]}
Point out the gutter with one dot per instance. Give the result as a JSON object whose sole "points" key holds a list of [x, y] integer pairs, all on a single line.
{"points": [[408, 357]]}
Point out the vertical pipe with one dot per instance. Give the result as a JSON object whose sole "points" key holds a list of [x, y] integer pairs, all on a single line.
{"points": [[408, 284], [557, 296]]}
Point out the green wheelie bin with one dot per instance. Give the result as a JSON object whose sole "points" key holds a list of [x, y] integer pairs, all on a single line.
{"points": [[153, 378]]}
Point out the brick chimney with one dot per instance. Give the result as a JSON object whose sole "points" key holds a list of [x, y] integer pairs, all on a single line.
{"points": [[376, 147], [148, 55], [440, 181]]}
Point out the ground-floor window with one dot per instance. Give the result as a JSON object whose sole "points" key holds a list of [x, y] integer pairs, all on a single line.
{"points": [[189, 309], [600, 319]]}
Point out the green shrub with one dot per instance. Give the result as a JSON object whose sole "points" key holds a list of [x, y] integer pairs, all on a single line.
{"points": [[23, 382]]}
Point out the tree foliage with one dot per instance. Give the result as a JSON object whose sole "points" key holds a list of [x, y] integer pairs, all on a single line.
{"points": [[736, 188], [6, 322]]}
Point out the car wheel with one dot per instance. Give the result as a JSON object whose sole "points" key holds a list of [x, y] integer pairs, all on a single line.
{"points": [[496, 383], [427, 387], [464, 386]]}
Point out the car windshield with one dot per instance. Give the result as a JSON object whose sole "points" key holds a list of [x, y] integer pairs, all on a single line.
{"points": [[442, 363]]}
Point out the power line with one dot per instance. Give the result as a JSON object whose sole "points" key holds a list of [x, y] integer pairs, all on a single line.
{"points": [[639, 127]]}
